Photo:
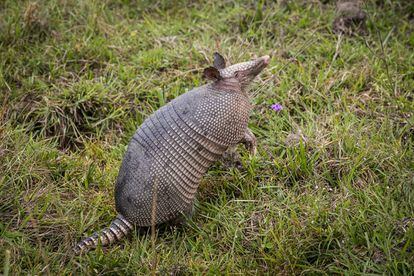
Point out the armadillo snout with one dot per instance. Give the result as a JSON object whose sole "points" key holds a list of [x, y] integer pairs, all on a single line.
{"points": [[266, 59]]}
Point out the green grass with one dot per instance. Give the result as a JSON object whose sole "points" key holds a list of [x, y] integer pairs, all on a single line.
{"points": [[330, 191]]}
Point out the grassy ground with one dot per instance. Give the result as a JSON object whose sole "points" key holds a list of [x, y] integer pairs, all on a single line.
{"points": [[330, 191]]}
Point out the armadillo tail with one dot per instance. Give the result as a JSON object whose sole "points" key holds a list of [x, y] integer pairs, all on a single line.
{"points": [[118, 229]]}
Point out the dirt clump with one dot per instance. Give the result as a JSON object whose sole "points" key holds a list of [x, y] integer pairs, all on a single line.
{"points": [[350, 18]]}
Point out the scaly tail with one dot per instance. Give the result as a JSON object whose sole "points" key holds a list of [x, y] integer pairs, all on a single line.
{"points": [[118, 229]]}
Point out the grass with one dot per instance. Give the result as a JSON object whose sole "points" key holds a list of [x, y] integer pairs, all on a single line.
{"points": [[330, 191]]}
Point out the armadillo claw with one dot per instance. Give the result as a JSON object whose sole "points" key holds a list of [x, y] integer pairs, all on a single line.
{"points": [[253, 150], [251, 146], [250, 142]]}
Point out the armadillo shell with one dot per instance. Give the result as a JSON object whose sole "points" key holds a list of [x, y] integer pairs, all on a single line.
{"points": [[172, 150]]}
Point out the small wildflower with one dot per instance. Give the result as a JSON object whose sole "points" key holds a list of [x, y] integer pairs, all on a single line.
{"points": [[276, 107]]}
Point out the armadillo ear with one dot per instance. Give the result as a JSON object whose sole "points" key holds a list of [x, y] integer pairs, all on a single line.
{"points": [[212, 73], [219, 61]]}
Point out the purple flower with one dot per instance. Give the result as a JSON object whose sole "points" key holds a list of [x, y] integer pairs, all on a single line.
{"points": [[276, 107]]}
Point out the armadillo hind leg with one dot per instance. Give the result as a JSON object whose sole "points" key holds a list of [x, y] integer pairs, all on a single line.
{"points": [[183, 217], [118, 229]]}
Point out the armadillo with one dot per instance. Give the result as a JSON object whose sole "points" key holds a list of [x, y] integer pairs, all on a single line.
{"points": [[174, 147]]}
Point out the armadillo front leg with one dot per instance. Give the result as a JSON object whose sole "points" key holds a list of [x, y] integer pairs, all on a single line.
{"points": [[231, 157], [249, 141]]}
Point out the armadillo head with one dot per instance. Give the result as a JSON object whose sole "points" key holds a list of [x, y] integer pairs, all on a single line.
{"points": [[243, 72]]}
